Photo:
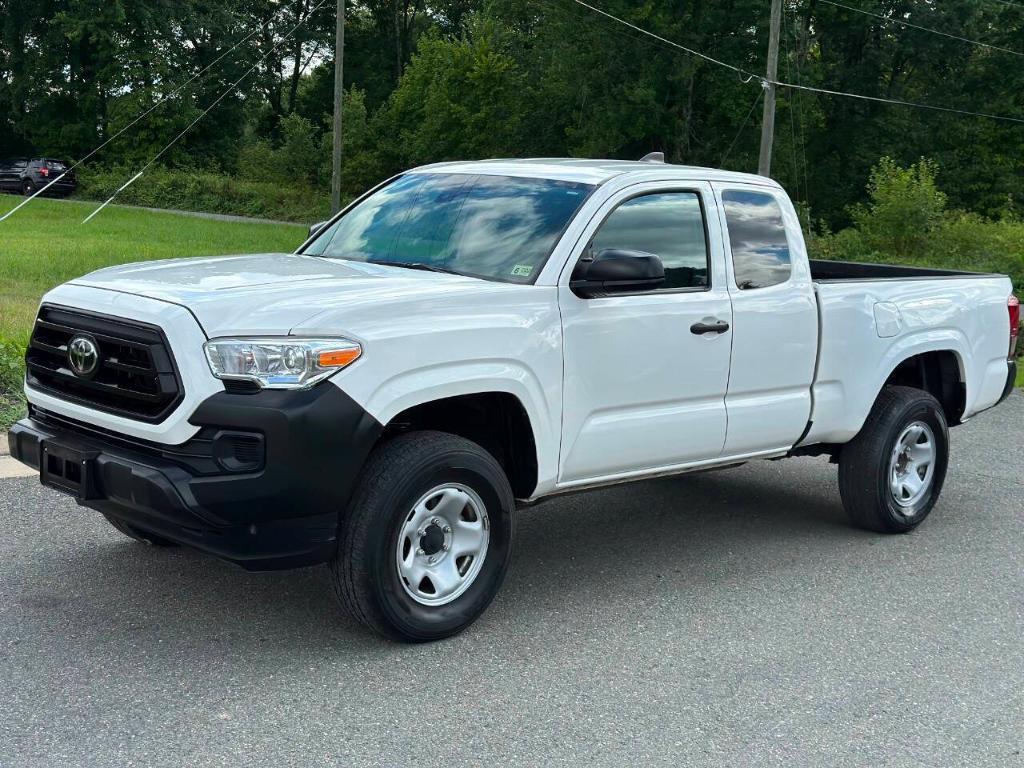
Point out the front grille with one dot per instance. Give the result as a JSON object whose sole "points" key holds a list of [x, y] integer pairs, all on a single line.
{"points": [[135, 374]]}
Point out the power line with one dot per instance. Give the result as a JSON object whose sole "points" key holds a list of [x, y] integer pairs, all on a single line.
{"points": [[825, 91], [1007, 2], [207, 111], [901, 102], [743, 125], [690, 51], [642, 38], [136, 121], [902, 23]]}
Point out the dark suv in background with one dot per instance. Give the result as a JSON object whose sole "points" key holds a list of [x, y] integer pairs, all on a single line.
{"points": [[23, 176]]}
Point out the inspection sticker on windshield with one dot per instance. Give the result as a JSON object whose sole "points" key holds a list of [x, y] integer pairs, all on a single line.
{"points": [[522, 270]]}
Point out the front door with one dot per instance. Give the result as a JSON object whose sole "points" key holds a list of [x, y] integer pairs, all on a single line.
{"points": [[642, 391]]}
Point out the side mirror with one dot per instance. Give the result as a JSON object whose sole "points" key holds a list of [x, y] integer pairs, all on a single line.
{"points": [[616, 271], [316, 228]]}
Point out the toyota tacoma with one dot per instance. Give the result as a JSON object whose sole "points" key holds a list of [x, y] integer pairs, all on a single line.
{"points": [[469, 338]]}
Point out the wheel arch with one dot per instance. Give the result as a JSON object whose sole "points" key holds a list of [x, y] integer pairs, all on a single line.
{"points": [[939, 372], [845, 396], [536, 400], [497, 420]]}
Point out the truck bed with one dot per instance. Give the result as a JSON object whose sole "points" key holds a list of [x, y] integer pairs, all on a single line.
{"points": [[871, 316], [823, 271]]}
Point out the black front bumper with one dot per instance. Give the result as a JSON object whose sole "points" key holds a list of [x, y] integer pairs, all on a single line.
{"points": [[277, 509]]}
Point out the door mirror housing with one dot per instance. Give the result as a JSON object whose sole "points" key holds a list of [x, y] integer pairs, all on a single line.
{"points": [[614, 270], [316, 228]]}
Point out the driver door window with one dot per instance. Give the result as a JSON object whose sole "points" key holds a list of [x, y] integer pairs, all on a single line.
{"points": [[667, 224]]}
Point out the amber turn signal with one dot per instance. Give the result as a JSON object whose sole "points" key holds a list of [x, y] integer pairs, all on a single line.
{"points": [[338, 358]]}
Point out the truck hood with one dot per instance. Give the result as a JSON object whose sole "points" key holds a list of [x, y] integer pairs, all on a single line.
{"points": [[275, 292]]}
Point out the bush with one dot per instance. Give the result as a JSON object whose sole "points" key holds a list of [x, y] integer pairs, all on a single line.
{"points": [[905, 207], [906, 222], [208, 192], [258, 162], [457, 100], [12, 372], [299, 156]]}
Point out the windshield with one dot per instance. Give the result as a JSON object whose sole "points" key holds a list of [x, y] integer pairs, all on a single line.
{"points": [[495, 227]]}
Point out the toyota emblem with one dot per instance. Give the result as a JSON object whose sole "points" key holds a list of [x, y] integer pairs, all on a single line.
{"points": [[83, 356]]}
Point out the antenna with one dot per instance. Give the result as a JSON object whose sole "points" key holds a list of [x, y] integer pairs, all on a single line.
{"points": [[653, 157]]}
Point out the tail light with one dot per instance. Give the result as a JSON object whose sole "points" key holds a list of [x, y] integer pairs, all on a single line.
{"points": [[1013, 305], [44, 172]]}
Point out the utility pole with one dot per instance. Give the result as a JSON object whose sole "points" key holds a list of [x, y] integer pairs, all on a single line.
{"points": [[339, 91], [764, 164]]}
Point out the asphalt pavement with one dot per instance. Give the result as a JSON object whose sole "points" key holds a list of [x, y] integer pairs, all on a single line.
{"points": [[723, 619]]}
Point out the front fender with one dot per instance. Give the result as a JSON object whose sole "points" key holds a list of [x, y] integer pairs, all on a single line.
{"points": [[485, 338], [417, 386]]}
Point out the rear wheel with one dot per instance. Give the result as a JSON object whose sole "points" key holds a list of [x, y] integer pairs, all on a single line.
{"points": [[28, 188], [891, 473], [138, 534], [426, 541]]}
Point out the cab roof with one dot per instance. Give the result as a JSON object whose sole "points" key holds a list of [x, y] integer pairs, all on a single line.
{"points": [[594, 172]]}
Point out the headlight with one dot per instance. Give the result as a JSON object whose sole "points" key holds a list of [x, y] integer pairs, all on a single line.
{"points": [[280, 363]]}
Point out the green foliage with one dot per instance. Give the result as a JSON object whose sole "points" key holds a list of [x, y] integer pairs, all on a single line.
{"points": [[506, 78], [12, 372], [257, 161], [906, 221], [300, 150], [304, 152], [209, 192], [361, 165], [904, 209], [458, 99]]}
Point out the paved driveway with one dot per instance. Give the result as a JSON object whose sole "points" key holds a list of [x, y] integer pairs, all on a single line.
{"points": [[722, 619]]}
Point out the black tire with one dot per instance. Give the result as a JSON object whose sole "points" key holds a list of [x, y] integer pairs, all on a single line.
{"points": [[365, 569], [138, 534], [28, 189], [866, 462]]}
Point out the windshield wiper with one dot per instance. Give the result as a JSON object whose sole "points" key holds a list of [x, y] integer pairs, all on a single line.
{"points": [[414, 265]]}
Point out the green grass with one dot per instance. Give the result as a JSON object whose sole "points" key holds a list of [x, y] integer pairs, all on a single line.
{"points": [[44, 244], [12, 407]]}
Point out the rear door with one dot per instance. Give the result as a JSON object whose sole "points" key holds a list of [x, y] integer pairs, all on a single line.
{"points": [[775, 319], [642, 391]]}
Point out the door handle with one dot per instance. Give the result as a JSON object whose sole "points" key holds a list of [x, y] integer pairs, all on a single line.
{"points": [[719, 326]]}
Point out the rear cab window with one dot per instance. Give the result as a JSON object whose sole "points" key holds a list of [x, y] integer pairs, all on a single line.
{"points": [[757, 238]]}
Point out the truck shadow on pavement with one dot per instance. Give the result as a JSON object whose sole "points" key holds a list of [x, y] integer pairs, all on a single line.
{"points": [[575, 555]]}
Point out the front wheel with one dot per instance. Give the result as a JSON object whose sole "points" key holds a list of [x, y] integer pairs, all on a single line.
{"points": [[427, 538], [891, 473]]}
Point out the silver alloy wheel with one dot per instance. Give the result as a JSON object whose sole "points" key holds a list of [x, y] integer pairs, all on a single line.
{"points": [[442, 544], [912, 465]]}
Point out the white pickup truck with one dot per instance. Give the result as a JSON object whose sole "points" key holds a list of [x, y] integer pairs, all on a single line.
{"points": [[469, 337]]}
